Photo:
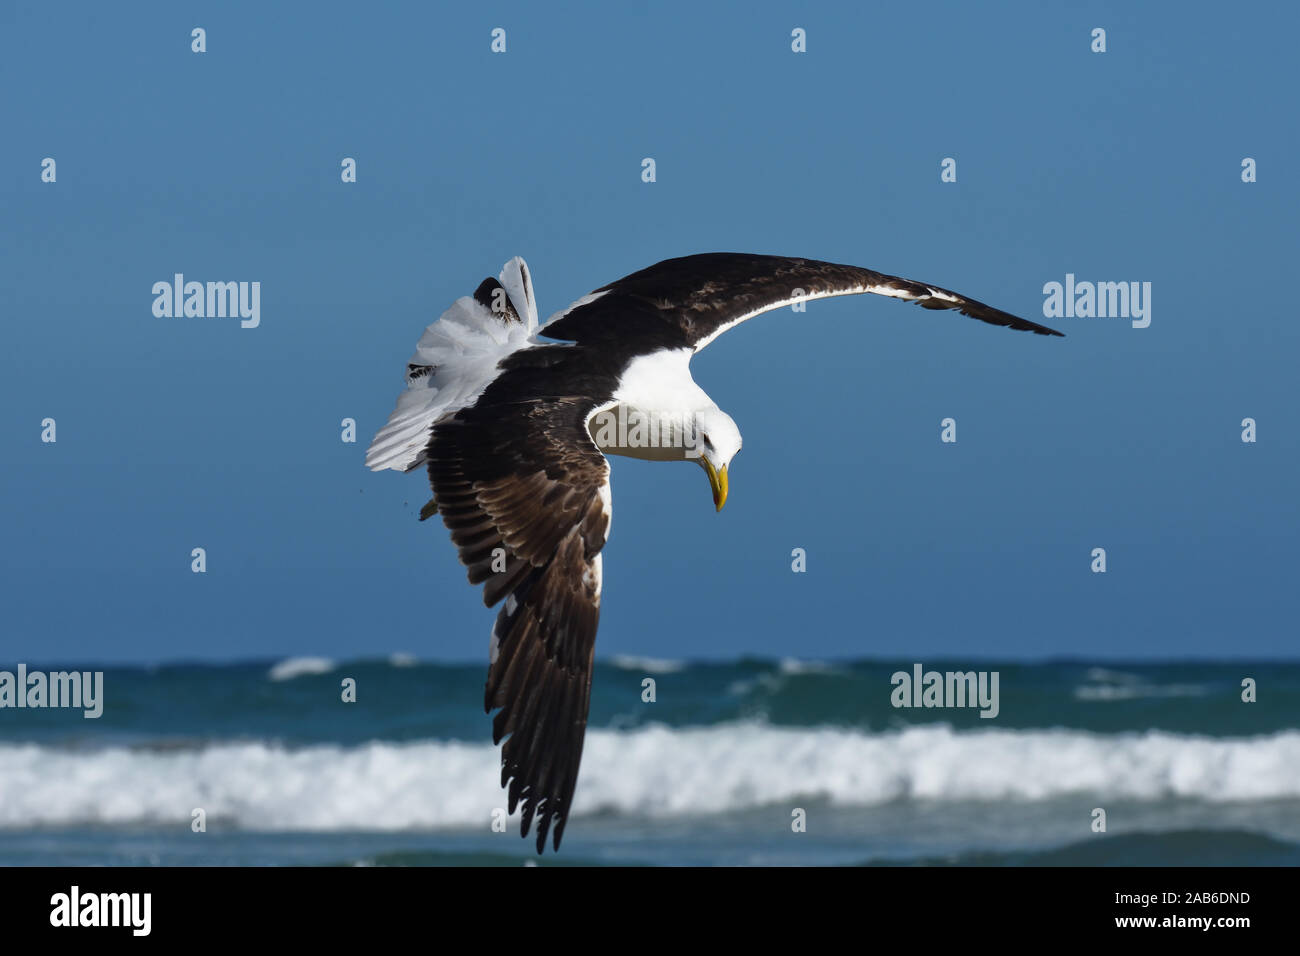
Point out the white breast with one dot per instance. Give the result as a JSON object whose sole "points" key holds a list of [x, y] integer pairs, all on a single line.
{"points": [[661, 382]]}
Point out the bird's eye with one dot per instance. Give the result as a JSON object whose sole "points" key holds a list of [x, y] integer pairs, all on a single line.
{"points": [[705, 436]]}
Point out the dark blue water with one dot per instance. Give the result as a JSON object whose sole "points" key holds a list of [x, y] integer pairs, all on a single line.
{"points": [[714, 770]]}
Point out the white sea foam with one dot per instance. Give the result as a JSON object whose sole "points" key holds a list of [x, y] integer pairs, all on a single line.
{"points": [[772, 682], [646, 665], [1137, 691], [292, 667], [1118, 677], [792, 665], [654, 771]]}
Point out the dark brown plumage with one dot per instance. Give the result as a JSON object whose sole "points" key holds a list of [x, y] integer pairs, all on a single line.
{"points": [[520, 489], [523, 489]]}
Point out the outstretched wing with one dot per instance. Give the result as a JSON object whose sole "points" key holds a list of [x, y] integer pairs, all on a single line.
{"points": [[690, 301], [525, 494]]}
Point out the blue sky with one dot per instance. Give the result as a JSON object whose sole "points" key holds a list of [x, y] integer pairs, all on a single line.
{"points": [[177, 433]]}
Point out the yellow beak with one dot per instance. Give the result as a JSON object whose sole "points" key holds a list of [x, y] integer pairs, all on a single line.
{"points": [[718, 482]]}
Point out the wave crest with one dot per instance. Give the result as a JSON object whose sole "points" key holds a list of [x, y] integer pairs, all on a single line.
{"points": [[292, 667], [655, 771]]}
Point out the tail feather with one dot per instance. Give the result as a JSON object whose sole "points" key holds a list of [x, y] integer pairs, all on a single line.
{"points": [[454, 361]]}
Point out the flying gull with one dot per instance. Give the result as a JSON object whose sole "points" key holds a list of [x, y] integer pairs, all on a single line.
{"points": [[513, 421]]}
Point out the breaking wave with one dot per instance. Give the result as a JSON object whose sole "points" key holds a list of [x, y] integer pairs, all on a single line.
{"points": [[654, 771]]}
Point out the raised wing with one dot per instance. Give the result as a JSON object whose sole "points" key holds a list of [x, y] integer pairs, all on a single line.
{"points": [[690, 301]]}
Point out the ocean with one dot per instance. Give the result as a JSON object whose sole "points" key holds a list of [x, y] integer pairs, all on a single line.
{"points": [[718, 770]]}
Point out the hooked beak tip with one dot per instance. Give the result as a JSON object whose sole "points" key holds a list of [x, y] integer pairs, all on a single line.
{"points": [[718, 482]]}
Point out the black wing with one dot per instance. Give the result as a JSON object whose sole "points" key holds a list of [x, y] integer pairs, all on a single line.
{"points": [[525, 492], [689, 301]]}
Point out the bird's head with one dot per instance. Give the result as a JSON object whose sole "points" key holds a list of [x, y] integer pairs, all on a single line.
{"points": [[717, 439]]}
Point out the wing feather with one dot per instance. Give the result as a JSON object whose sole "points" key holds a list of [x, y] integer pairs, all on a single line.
{"points": [[689, 301], [521, 482]]}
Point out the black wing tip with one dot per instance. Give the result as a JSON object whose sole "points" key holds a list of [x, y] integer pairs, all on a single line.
{"points": [[544, 821], [986, 313]]}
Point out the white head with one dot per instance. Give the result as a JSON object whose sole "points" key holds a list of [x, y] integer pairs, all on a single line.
{"points": [[717, 439]]}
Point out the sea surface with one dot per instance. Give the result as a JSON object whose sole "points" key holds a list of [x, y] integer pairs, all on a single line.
{"points": [[714, 771]]}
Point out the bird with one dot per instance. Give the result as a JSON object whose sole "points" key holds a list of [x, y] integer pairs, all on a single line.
{"points": [[514, 421]]}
